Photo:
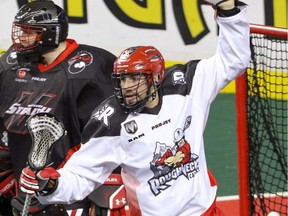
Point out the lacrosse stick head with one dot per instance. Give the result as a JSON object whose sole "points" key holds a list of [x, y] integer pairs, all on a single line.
{"points": [[45, 130]]}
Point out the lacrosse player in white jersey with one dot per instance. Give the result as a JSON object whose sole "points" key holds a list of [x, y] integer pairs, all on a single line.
{"points": [[153, 128]]}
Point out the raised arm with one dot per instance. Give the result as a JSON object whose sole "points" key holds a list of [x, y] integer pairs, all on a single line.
{"points": [[233, 52]]}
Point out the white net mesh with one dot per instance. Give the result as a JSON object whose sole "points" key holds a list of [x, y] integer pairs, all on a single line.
{"points": [[45, 131]]}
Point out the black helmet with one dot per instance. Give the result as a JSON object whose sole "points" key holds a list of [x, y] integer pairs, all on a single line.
{"points": [[38, 27]]}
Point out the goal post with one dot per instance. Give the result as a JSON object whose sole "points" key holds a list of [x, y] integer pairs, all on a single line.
{"points": [[261, 108]]}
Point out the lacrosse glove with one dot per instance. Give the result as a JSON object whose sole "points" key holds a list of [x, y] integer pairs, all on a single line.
{"points": [[43, 182]]}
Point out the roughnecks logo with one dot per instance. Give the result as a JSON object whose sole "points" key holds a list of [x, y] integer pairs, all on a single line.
{"points": [[160, 183], [169, 163]]}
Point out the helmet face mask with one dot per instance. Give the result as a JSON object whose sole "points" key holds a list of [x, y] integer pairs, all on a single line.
{"points": [[26, 37], [44, 19], [132, 90], [137, 76]]}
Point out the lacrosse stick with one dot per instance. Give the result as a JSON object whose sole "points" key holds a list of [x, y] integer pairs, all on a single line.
{"points": [[45, 130]]}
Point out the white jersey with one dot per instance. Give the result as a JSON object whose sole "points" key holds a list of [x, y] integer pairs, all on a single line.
{"points": [[161, 150]]}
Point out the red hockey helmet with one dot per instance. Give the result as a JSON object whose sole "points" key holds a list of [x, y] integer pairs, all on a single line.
{"points": [[138, 61]]}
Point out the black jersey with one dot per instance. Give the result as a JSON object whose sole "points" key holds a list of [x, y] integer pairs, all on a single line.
{"points": [[71, 87]]}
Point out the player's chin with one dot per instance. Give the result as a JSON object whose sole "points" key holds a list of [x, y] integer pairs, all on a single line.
{"points": [[131, 102], [132, 99]]}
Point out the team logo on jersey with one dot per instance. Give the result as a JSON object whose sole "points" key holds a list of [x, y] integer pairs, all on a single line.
{"points": [[160, 124], [12, 57], [131, 127], [178, 78], [103, 114], [21, 73], [4, 138], [79, 62], [169, 163], [26, 104], [28, 110]]}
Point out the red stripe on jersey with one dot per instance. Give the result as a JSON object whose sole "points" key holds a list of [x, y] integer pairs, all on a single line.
{"points": [[71, 46], [69, 154]]}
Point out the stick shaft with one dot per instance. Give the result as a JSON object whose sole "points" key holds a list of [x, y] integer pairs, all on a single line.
{"points": [[26, 205]]}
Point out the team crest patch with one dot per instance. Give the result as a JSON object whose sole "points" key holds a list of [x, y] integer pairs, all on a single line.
{"points": [[21, 73], [170, 163], [178, 78], [12, 57], [79, 62], [104, 114]]}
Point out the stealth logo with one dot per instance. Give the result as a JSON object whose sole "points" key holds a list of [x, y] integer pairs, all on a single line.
{"points": [[31, 109], [79, 62], [104, 113]]}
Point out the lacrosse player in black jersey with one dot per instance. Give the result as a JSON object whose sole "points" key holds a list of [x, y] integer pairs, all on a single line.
{"points": [[44, 71], [153, 128]]}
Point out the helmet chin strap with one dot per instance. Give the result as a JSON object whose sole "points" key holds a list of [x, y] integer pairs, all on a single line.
{"points": [[153, 95], [146, 101]]}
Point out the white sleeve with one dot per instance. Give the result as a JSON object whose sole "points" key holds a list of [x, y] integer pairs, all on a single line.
{"points": [[230, 60], [86, 170]]}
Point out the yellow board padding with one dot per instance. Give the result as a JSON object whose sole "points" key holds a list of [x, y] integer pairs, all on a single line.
{"points": [[272, 85], [1, 52], [276, 88]]}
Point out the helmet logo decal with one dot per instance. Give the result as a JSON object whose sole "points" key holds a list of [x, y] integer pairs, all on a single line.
{"points": [[79, 62], [127, 53], [131, 127], [57, 36], [178, 78], [170, 163]]}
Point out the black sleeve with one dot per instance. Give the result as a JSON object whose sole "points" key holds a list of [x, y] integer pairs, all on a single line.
{"points": [[97, 89]]}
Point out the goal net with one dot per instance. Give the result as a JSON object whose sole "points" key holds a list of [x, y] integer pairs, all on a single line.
{"points": [[261, 103]]}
